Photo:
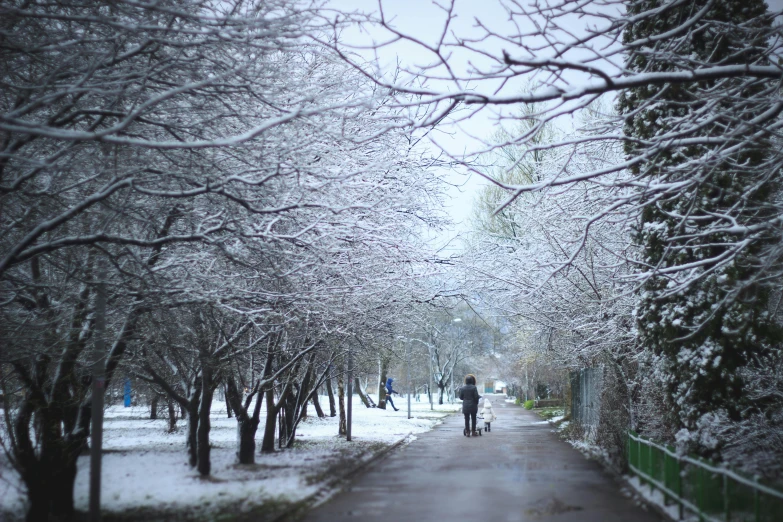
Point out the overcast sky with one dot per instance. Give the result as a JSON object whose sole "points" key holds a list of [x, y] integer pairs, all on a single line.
{"points": [[424, 20]]}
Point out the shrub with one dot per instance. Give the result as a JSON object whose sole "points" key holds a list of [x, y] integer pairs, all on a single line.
{"points": [[551, 413], [529, 404], [518, 401]]}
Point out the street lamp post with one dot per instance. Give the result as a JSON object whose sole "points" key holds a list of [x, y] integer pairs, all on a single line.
{"points": [[98, 387], [350, 396], [453, 364], [408, 364], [430, 372], [451, 385]]}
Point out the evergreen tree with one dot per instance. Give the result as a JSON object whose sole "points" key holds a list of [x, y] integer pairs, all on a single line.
{"points": [[702, 313]]}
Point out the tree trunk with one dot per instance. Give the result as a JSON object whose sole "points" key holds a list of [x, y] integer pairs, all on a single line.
{"points": [[229, 410], [39, 497], [287, 423], [441, 389], [247, 441], [343, 430], [287, 420], [332, 408], [61, 484], [247, 425], [192, 441], [358, 387], [317, 405], [268, 443], [384, 366], [300, 401], [172, 416], [50, 475], [154, 406], [207, 390]]}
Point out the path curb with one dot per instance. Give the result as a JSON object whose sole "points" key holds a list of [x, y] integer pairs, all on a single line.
{"points": [[335, 485]]}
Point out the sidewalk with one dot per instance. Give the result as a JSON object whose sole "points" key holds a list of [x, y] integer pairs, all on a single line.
{"points": [[521, 471]]}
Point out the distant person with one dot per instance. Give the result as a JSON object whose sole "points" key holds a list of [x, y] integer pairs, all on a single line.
{"points": [[488, 414], [389, 391], [469, 396]]}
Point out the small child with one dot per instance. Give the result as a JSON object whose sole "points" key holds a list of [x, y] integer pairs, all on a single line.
{"points": [[488, 413]]}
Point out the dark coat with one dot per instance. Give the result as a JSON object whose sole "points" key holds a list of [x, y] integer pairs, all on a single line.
{"points": [[470, 398]]}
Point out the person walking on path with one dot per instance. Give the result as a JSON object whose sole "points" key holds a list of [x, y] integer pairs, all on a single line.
{"points": [[389, 391], [469, 396], [488, 414]]}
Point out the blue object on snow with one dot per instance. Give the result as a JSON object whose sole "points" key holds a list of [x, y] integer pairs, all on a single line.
{"points": [[127, 393]]}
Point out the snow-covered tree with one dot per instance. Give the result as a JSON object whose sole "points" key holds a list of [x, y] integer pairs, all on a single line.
{"points": [[196, 158]]}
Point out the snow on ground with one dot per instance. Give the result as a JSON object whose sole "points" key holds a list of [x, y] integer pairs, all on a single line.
{"points": [[553, 420], [655, 496], [145, 467]]}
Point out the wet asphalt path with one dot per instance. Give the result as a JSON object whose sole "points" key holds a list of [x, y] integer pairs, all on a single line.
{"points": [[521, 471]]}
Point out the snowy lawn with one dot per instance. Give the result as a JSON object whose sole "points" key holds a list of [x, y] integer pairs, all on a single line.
{"points": [[145, 470]]}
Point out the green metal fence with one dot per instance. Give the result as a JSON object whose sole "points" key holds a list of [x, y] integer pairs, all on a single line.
{"points": [[713, 493]]}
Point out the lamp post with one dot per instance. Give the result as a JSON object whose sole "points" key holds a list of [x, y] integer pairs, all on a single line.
{"points": [[98, 388], [430, 372], [350, 395], [454, 363], [408, 365], [451, 385]]}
